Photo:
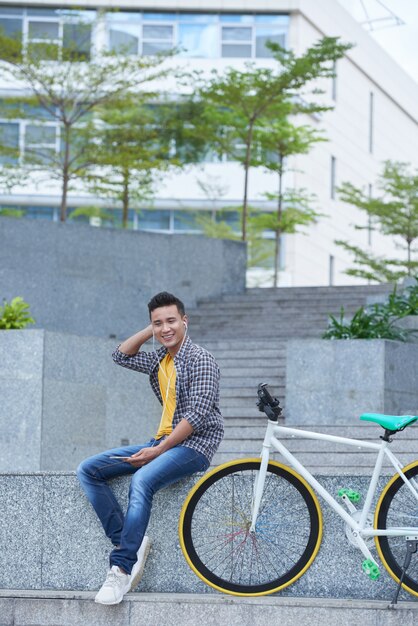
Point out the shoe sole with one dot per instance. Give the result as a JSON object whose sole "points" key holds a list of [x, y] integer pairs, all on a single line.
{"points": [[138, 575]]}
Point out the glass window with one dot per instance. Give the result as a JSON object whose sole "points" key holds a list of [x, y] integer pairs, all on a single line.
{"points": [[10, 11], [156, 17], [155, 47], [236, 50], [125, 38], [203, 18], [188, 221], [155, 31], [11, 27], [43, 30], [154, 219], [9, 140], [333, 176], [267, 34], [198, 40], [77, 40], [122, 16], [40, 134], [232, 218], [236, 17], [269, 18], [40, 144], [236, 33], [42, 12], [40, 212]]}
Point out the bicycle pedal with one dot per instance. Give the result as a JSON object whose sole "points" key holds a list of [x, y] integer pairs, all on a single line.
{"points": [[353, 496], [370, 569]]}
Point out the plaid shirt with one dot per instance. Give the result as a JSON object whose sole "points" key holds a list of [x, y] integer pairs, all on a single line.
{"points": [[197, 391]]}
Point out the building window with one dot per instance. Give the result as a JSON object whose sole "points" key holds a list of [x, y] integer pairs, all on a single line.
{"points": [[331, 270], [334, 82], [32, 136], [371, 121], [50, 33], [333, 177], [9, 141], [197, 35], [369, 220]]}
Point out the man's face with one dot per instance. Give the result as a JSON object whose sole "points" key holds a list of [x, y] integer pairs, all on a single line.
{"points": [[169, 327]]}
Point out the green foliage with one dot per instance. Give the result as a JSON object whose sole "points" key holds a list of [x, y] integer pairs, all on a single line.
{"points": [[92, 211], [379, 269], [395, 214], [15, 314], [405, 303], [377, 321], [10, 212], [239, 104]]}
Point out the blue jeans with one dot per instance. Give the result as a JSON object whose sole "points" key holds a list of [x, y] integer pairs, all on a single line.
{"points": [[127, 531]]}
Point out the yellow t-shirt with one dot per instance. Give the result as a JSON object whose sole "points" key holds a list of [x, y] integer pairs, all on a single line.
{"points": [[167, 381]]}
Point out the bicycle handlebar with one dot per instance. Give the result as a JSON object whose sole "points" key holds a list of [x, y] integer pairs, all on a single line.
{"points": [[267, 404]]}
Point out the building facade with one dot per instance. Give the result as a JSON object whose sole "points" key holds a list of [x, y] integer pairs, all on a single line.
{"points": [[373, 117]]}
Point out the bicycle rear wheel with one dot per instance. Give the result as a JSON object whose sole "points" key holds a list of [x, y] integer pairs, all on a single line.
{"points": [[215, 535], [397, 507]]}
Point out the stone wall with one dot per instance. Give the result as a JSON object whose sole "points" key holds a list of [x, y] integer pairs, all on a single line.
{"points": [[61, 544], [97, 281], [63, 399], [331, 382]]}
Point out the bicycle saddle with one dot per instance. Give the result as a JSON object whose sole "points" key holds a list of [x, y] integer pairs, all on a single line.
{"points": [[390, 422]]}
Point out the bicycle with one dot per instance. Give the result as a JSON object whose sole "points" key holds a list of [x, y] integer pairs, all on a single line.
{"points": [[253, 526]]}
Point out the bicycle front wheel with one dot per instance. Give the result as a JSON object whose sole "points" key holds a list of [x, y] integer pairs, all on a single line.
{"points": [[397, 507], [215, 531]]}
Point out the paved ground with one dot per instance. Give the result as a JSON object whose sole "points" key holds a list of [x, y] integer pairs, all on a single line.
{"points": [[24, 608]]}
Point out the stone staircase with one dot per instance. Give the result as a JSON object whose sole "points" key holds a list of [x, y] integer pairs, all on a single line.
{"points": [[247, 334]]}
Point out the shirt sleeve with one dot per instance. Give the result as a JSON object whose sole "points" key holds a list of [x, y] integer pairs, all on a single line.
{"points": [[204, 391], [140, 362]]}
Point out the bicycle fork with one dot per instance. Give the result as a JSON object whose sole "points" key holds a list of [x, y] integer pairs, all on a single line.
{"points": [[261, 475]]}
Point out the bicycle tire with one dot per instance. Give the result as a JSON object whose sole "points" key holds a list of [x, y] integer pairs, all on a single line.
{"points": [[214, 529], [396, 507]]}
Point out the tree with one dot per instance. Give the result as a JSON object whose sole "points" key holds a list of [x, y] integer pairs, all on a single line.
{"points": [[67, 87], [236, 102], [137, 139], [278, 140], [393, 213]]}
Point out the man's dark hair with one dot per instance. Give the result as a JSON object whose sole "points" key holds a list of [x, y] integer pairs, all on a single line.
{"points": [[165, 299]]}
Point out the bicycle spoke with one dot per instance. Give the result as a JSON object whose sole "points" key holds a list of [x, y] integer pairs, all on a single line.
{"points": [[221, 529]]}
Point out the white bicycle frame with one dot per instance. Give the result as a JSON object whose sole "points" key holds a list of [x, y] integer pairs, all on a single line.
{"points": [[360, 528]]}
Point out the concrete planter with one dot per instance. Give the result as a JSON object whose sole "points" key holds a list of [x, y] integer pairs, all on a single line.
{"points": [[410, 323], [331, 382], [63, 398]]}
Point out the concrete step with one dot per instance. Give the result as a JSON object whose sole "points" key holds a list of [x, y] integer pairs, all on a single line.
{"points": [[318, 448], [274, 361], [247, 382], [333, 464], [247, 394], [243, 353], [46, 608]]}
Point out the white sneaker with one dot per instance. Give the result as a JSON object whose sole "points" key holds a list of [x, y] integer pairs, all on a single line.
{"points": [[115, 586], [138, 568]]}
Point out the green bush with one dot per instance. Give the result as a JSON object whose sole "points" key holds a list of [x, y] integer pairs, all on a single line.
{"points": [[15, 315], [377, 321]]}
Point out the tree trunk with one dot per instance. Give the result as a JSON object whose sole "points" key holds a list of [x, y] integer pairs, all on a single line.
{"points": [[246, 171], [125, 200], [278, 230], [65, 174]]}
